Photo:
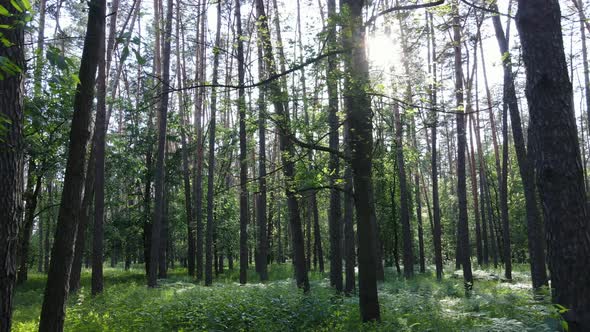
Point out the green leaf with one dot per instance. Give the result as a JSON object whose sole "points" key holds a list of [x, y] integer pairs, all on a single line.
{"points": [[26, 4], [16, 6], [4, 11], [124, 54]]}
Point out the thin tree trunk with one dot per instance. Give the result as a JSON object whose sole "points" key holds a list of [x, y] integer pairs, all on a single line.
{"points": [[408, 254], [62, 254], [437, 232], [534, 221], [190, 222], [31, 198], [160, 177], [211, 166], [198, 118], [463, 233], [261, 262], [99, 167], [287, 151]]}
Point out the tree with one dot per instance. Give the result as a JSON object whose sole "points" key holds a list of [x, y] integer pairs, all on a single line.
{"points": [[358, 110], [62, 254], [335, 213], [11, 158], [554, 144], [261, 261], [211, 168], [463, 231], [160, 162], [408, 254], [287, 149]]}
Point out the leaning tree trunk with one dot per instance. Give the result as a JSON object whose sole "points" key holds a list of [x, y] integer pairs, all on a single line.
{"points": [[358, 109], [11, 162], [556, 151], [62, 254]]}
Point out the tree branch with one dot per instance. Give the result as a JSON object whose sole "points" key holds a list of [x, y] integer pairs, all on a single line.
{"points": [[406, 7]]}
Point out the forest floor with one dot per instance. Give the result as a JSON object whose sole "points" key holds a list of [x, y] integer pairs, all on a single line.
{"points": [[179, 304]]}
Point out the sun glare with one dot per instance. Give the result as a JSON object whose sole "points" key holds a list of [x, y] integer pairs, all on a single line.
{"points": [[383, 52]]}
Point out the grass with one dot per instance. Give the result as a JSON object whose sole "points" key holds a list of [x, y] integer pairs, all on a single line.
{"points": [[180, 304]]}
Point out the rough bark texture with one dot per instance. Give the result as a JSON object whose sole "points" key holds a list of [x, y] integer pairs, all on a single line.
{"points": [[349, 238], [11, 164], [554, 143], [62, 253], [358, 109]]}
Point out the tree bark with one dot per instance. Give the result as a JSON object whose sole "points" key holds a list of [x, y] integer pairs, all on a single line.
{"points": [[211, 166], [11, 163], [287, 151], [554, 143], [160, 178], [463, 233], [261, 208], [358, 109], [62, 254], [408, 254]]}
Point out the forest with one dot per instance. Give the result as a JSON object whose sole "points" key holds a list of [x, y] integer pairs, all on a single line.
{"points": [[294, 165]]}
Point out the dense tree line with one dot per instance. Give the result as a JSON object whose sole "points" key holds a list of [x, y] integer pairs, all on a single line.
{"points": [[371, 134]]}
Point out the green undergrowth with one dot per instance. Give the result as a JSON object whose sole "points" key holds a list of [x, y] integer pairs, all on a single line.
{"points": [[180, 304]]}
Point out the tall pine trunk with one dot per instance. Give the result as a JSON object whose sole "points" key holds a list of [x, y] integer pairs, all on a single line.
{"points": [[160, 176], [556, 151], [358, 109], [62, 254]]}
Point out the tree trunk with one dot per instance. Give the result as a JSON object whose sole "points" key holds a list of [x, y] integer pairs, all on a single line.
{"points": [[211, 166], [358, 109], [408, 254], [437, 232], [335, 210], [160, 177], [99, 188], [11, 162], [190, 222], [463, 233], [554, 142], [198, 117], [287, 151], [261, 261], [349, 238], [62, 254], [534, 224], [31, 197]]}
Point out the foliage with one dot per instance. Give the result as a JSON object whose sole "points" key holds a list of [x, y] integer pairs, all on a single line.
{"points": [[179, 304]]}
